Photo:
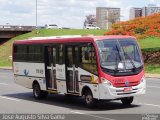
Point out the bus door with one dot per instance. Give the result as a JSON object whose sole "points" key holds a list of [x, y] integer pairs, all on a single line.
{"points": [[72, 69], [51, 67]]}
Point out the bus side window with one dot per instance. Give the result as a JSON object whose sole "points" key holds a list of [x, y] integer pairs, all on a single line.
{"points": [[35, 53], [88, 63], [20, 53], [60, 54]]}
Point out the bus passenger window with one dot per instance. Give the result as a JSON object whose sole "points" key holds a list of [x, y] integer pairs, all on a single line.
{"points": [[20, 53], [35, 53], [60, 57], [70, 57], [88, 63]]}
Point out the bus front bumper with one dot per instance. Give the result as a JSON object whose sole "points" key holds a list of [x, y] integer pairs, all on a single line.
{"points": [[112, 93]]}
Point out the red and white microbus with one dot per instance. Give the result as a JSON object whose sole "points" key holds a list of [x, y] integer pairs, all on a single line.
{"points": [[96, 67]]}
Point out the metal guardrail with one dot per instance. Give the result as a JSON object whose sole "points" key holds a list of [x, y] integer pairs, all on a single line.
{"points": [[16, 28]]}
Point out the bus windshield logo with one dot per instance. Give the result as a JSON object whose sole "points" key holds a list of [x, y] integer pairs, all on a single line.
{"points": [[127, 83], [26, 72]]}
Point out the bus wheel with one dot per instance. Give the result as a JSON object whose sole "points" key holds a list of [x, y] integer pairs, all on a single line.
{"points": [[127, 100], [89, 100], [38, 93]]}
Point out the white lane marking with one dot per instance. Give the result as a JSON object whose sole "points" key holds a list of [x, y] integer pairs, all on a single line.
{"points": [[153, 105], [99, 117], [8, 98], [153, 86], [76, 112], [3, 84], [6, 76], [152, 78]]}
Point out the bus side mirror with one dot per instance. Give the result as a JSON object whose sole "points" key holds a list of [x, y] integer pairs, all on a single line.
{"points": [[86, 55]]}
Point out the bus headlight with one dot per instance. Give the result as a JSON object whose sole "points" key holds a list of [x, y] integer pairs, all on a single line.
{"points": [[106, 82], [143, 80]]}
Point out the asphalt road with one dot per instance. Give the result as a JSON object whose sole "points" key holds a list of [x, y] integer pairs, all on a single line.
{"points": [[19, 100]]}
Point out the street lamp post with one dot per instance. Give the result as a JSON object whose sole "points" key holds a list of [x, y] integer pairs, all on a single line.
{"points": [[36, 14]]}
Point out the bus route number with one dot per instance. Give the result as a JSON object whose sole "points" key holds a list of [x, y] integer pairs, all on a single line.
{"points": [[39, 71]]}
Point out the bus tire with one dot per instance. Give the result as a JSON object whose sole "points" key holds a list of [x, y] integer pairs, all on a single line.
{"points": [[38, 93], [127, 100], [89, 100], [68, 95]]}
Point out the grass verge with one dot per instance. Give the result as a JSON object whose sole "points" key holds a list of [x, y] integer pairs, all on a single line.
{"points": [[149, 43], [5, 63], [153, 69]]}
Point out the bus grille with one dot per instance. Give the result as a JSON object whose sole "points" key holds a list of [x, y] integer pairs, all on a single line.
{"points": [[124, 85]]}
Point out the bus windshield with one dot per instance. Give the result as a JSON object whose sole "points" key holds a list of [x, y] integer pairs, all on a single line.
{"points": [[119, 55]]}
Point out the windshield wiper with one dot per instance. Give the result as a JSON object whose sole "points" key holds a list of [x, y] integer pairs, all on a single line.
{"points": [[116, 65], [130, 59], [116, 68]]}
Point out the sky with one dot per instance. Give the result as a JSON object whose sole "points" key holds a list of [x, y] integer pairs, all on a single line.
{"points": [[65, 13]]}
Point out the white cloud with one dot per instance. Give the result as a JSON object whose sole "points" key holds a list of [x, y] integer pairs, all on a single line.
{"points": [[67, 13], [72, 12], [152, 1]]}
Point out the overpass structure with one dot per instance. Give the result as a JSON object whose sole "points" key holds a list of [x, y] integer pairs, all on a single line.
{"points": [[7, 31]]}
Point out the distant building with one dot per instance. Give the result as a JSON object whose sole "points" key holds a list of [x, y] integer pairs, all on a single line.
{"points": [[135, 12], [150, 10], [145, 11], [105, 17]]}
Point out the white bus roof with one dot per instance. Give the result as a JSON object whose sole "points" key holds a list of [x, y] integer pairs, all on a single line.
{"points": [[54, 37]]}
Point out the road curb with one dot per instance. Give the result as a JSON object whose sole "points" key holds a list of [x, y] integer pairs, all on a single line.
{"points": [[148, 75], [6, 68]]}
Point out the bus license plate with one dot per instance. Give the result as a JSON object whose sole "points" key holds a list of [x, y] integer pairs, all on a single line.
{"points": [[127, 89]]}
